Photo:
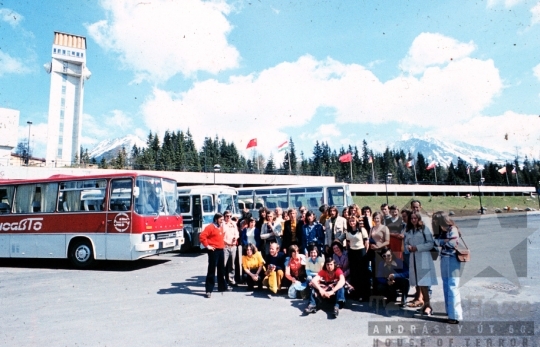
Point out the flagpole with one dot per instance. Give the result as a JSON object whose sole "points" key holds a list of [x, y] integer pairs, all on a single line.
{"points": [[372, 172], [469, 172], [289, 159], [351, 170], [517, 179], [435, 168], [506, 172], [414, 168]]}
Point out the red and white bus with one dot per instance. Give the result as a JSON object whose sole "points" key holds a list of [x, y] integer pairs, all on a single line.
{"points": [[124, 216]]}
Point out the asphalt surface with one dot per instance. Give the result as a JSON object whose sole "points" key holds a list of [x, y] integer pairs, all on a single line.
{"points": [[159, 301]]}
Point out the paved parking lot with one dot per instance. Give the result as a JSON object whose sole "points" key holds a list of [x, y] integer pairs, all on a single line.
{"points": [[159, 302]]}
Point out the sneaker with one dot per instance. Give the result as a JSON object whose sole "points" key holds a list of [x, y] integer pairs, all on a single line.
{"points": [[208, 295], [336, 312], [311, 309]]}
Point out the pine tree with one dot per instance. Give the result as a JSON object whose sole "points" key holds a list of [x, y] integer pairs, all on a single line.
{"points": [[270, 168]]}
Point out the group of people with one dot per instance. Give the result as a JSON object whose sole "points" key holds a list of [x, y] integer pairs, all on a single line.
{"points": [[353, 254]]}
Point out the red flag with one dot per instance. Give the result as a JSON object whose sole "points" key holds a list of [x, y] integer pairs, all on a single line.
{"points": [[370, 159], [431, 165], [502, 171], [252, 143], [345, 158], [410, 163]]}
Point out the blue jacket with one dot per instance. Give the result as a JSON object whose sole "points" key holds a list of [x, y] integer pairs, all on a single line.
{"points": [[312, 233]]}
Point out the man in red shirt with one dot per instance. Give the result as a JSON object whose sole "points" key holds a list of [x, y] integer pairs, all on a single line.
{"points": [[212, 239], [327, 284]]}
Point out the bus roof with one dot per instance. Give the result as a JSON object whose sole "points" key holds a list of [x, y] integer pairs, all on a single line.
{"points": [[57, 178], [293, 186], [206, 189]]}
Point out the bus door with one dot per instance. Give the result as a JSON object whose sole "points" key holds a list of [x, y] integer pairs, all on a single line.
{"points": [[119, 219], [197, 219]]}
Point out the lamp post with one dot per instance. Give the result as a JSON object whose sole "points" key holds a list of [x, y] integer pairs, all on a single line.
{"points": [[388, 178], [482, 179], [217, 168], [538, 194], [28, 148]]}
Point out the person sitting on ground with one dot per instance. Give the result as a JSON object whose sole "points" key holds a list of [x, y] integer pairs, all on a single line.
{"points": [[314, 263], [253, 264], [275, 266], [392, 276], [328, 284], [295, 271]]}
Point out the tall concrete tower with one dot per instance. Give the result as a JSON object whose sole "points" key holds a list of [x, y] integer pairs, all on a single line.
{"points": [[68, 74]]}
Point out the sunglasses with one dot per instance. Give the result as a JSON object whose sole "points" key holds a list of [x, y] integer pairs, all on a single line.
{"points": [[227, 216], [387, 255]]}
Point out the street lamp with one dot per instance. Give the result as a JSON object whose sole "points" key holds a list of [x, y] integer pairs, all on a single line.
{"points": [[388, 178], [217, 168], [538, 194], [28, 148], [482, 179]]}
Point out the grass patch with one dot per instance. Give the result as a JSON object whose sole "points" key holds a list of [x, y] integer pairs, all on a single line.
{"points": [[461, 206]]}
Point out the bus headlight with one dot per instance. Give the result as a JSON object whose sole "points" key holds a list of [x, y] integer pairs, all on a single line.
{"points": [[146, 237], [152, 237], [178, 233]]}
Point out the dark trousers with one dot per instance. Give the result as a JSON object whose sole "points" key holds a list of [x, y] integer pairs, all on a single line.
{"points": [[360, 275], [216, 259], [391, 292], [250, 282]]}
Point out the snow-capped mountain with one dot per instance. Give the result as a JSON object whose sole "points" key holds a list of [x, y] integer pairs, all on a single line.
{"points": [[109, 148], [446, 152]]}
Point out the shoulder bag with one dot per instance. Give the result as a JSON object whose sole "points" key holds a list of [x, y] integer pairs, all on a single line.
{"points": [[462, 251]]}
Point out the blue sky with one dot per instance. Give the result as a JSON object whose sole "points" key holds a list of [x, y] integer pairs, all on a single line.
{"points": [[336, 71]]}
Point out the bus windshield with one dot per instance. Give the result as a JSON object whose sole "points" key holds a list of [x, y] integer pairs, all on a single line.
{"points": [[155, 196], [226, 202]]}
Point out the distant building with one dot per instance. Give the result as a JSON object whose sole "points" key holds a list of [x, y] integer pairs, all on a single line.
{"points": [[19, 160], [9, 124], [68, 73]]}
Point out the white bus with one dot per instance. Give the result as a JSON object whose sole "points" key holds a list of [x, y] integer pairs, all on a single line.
{"points": [[199, 204], [294, 196]]}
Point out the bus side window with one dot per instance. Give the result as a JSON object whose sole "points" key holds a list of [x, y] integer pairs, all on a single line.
{"points": [[120, 199], [6, 199], [208, 206], [36, 198], [78, 196]]}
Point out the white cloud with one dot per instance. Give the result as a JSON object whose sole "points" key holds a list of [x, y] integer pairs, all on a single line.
{"points": [[9, 64], [118, 120], [92, 130], [291, 93], [11, 17], [431, 49], [507, 3], [160, 39], [503, 133], [536, 71], [535, 12]]}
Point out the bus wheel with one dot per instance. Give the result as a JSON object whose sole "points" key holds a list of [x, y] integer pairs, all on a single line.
{"points": [[81, 254]]}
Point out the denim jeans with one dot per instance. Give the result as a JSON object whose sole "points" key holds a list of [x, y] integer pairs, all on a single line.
{"points": [[450, 272], [334, 299]]}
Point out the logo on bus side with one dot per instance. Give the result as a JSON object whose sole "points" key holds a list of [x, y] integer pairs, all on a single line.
{"points": [[27, 224], [121, 222]]}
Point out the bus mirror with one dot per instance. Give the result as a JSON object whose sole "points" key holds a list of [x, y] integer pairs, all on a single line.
{"points": [[218, 201], [136, 192]]}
